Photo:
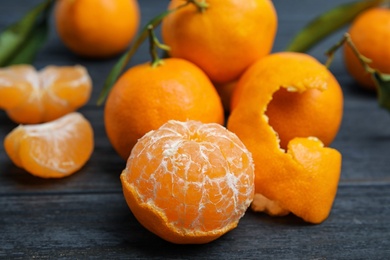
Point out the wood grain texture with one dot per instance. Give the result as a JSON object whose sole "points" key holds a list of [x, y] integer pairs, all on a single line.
{"points": [[100, 225], [85, 215]]}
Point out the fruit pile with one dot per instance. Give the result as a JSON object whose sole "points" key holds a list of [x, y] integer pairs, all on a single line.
{"points": [[294, 171], [219, 125]]}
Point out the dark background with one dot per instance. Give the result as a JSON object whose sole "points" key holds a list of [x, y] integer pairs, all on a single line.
{"points": [[85, 215]]}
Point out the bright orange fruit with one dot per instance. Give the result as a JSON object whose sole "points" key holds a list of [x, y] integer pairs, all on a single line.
{"points": [[370, 32], [146, 97], [223, 39], [51, 150], [189, 182], [225, 92], [31, 97], [314, 112], [97, 28], [304, 178]]}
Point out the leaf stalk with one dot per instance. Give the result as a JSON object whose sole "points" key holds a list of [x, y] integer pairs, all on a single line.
{"points": [[154, 45]]}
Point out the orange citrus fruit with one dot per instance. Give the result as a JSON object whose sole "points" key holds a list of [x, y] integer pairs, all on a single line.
{"points": [[370, 33], [315, 112], [189, 182], [31, 97], [302, 179], [51, 150], [97, 28], [225, 92], [146, 97], [223, 39]]}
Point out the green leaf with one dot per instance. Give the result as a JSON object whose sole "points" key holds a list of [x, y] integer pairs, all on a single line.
{"points": [[34, 43], [114, 75], [118, 68], [382, 82], [20, 42], [328, 23]]}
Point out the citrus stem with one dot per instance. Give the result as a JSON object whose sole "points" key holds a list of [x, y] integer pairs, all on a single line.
{"points": [[347, 40], [154, 45], [381, 80], [202, 5]]}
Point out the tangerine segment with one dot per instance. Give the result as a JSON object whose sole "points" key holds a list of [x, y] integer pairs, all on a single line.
{"points": [[51, 150], [33, 97], [304, 179], [189, 182], [16, 84]]}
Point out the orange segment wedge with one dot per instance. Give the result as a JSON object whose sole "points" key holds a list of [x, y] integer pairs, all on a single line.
{"points": [[51, 150], [303, 179], [31, 97], [16, 84]]}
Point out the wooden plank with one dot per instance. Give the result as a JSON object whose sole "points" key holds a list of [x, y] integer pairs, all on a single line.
{"points": [[102, 226]]}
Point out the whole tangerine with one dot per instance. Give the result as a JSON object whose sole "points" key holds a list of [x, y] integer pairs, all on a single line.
{"points": [[97, 28], [146, 97], [223, 38], [370, 33]]}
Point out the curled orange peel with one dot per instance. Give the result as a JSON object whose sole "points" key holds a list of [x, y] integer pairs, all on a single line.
{"points": [[304, 179]]}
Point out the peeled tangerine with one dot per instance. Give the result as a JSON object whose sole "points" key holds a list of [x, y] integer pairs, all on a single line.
{"points": [[302, 179], [51, 150], [30, 96], [189, 182]]}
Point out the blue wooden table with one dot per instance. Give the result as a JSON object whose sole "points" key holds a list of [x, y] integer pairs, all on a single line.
{"points": [[85, 215]]}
